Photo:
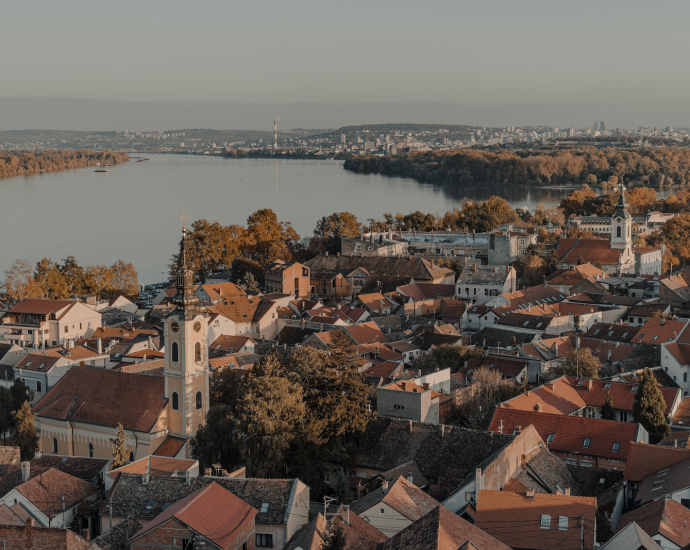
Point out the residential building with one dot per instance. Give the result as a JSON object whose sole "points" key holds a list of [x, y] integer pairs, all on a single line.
{"points": [[439, 530], [393, 507], [377, 303], [508, 246], [358, 533], [282, 504], [158, 466], [52, 497], [288, 278], [631, 537], [43, 323], [481, 283], [210, 516], [405, 399], [579, 441], [538, 521], [665, 520], [671, 482], [29, 536]]}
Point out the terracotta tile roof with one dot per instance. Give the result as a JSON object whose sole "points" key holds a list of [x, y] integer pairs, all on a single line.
{"points": [[381, 352], [382, 266], [403, 496], [221, 291], [590, 250], [148, 353], [646, 310], [154, 466], [239, 309], [45, 491], [143, 368], [533, 295], [360, 534], [231, 343], [42, 307], [375, 301], [104, 397], [365, 333], [384, 370], [676, 439], [575, 275], [310, 536], [593, 393], [37, 362], [8, 517], [213, 512], [682, 416], [440, 529], [555, 397], [516, 520], [109, 333], [571, 433], [645, 459], [654, 332], [170, 447], [665, 517]]}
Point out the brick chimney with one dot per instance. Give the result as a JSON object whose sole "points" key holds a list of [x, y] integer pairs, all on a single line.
{"points": [[384, 485]]}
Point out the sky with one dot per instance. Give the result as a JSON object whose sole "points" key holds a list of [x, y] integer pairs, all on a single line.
{"points": [[522, 61]]}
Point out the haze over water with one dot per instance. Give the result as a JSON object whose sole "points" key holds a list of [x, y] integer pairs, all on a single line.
{"points": [[132, 212]]}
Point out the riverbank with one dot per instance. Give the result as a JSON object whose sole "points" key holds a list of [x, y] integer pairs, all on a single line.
{"points": [[29, 163]]}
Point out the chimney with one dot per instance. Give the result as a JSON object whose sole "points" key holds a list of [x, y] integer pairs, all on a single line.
{"points": [[577, 343], [425, 385], [410, 477], [555, 349], [208, 472], [144, 479], [474, 267], [99, 346], [589, 382], [384, 485], [26, 471], [409, 426], [507, 269], [188, 477], [326, 253], [663, 321], [442, 429], [608, 356], [523, 461], [567, 491], [529, 495]]}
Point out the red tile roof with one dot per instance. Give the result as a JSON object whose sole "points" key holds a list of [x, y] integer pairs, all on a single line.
{"points": [[170, 447], [365, 333], [45, 491], [556, 397], [154, 465], [105, 397], [515, 519], [590, 250], [403, 496], [666, 517], [41, 307], [645, 459], [659, 331], [213, 512], [570, 432]]}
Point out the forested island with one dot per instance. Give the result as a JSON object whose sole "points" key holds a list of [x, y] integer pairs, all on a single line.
{"points": [[650, 167], [34, 162]]}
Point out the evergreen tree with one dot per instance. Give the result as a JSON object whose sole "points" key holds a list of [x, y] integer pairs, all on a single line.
{"points": [[649, 407], [25, 436], [121, 450], [6, 419], [334, 537], [20, 393], [607, 412]]}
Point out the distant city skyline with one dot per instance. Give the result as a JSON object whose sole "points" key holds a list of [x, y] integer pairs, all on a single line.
{"points": [[178, 64]]}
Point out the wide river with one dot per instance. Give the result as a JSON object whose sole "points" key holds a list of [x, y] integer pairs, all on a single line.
{"points": [[132, 212]]}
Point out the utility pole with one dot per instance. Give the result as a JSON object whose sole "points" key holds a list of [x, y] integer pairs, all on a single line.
{"points": [[582, 533]]}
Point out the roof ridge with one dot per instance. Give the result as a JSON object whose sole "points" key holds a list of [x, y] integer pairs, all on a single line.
{"points": [[544, 495]]}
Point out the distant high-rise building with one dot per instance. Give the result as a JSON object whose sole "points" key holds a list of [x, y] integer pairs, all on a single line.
{"points": [[595, 126], [602, 126], [343, 139]]}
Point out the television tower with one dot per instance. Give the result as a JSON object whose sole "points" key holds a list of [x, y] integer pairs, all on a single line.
{"points": [[275, 134]]}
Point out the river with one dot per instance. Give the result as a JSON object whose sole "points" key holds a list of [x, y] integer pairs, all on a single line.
{"points": [[132, 212]]}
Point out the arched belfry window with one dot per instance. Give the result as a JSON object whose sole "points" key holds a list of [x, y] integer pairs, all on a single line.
{"points": [[174, 349], [199, 402], [175, 401], [197, 352], [618, 231]]}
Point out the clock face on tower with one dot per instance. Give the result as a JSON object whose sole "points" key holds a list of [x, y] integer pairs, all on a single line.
{"points": [[618, 220], [197, 326], [175, 326]]}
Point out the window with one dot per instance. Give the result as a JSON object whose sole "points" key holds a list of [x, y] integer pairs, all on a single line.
{"points": [[264, 507], [150, 504], [586, 442], [66, 329], [90, 450], [197, 352], [545, 521], [685, 377], [685, 502], [550, 438], [175, 401], [616, 446], [624, 416], [563, 523], [79, 326], [199, 402], [618, 231], [174, 352], [263, 541], [469, 496], [383, 511], [38, 385], [585, 463], [55, 445], [607, 386], [602, 481]]}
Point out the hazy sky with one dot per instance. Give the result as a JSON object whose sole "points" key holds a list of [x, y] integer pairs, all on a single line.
{"points": [[615, 54]]}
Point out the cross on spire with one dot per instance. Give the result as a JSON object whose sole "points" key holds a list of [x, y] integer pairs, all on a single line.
{"points": [[184, 218]]}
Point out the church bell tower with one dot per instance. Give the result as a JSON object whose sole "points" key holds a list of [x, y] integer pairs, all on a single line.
{"points": [[621, 223], [186, 353]]}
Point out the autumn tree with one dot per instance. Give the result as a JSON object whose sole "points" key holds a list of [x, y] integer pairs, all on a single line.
{"points": [[19, 282], [574, 204], [445, 356], [330, 229], [579, 362], [649, 407], [676, 234], [607, 410], [121, 450], [334, 537], [51, 280], [25, 436], [270, 415], [641, 199], [123, 279], [249, 282], [268, 239], [533, 270]]}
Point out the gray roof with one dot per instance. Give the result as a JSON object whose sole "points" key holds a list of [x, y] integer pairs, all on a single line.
{"points": [[382, 266], [492, 337], [664, 482], [131, 498], [483, 275], [388, 443], [631, 537], [546, 473]]}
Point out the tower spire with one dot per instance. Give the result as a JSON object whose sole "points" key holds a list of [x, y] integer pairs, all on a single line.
{"points": [[184, 277]]}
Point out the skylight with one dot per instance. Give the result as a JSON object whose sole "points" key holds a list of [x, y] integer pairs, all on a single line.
{"points": [[150, 504], [551, 438], [634, 388], [42, 365], [616, 446], [586, 442], [607, 386], [264, 507]]}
